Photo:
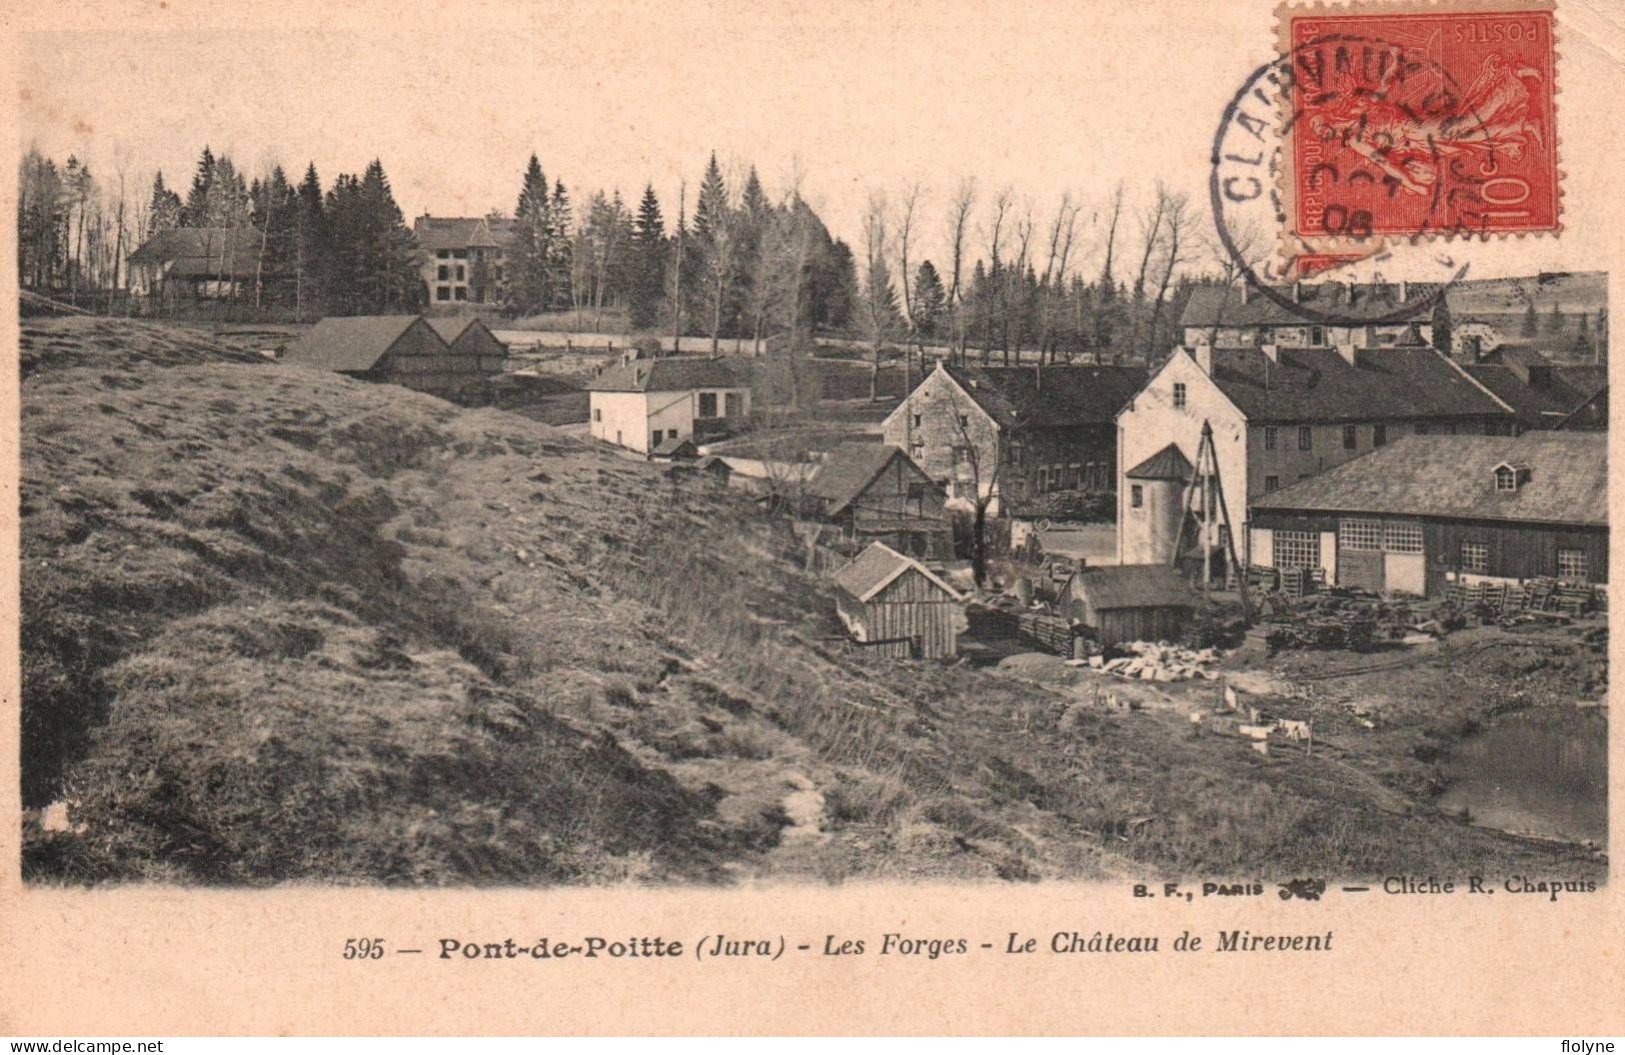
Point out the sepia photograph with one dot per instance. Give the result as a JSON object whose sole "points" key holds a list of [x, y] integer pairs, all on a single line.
{"points": [[451, 463]]}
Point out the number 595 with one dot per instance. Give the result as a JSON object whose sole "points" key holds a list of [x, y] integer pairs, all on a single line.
{"points": [[363, 948]]}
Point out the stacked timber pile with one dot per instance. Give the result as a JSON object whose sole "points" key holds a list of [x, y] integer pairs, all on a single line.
{"points": [[1051, 632], [1159, 661], [1543, 597]]}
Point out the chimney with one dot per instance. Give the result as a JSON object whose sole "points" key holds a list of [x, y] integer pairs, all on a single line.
{"points": [[1348, 293], [1404, 291], [1246, 292], [1203, 354], [1297, 291]]}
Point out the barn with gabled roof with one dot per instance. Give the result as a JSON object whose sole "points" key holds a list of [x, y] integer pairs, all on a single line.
{"points": [[896, 606], [394, 349]]}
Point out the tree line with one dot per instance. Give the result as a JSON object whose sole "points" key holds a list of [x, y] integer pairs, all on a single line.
{"points": [[345, 250], [1011, 284]]}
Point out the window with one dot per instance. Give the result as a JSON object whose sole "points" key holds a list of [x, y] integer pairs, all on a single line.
{"points": [[1043, 478], [1018, 454], [499, 272], [1379, 435], [1297, 549], [1306, 438], [479, 254], [708, 405], [1571, 565], [442, 293], [460, 293], [1402, 536], [1506, 478], [1271, 437], [1272, 483], [732, 405], [916, 421], [1421, 428], [1475, 558], [462, 273], [654, 441], [964, 421], [1179, 393], [1136, 496], [1363, 535], [1317, 335], [598, 413], [916, 491], [443, 273], [443, 253], [460, 254], [1351, 437]]}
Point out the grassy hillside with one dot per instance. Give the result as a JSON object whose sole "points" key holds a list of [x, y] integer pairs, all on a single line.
{"points": [[282, 626]]}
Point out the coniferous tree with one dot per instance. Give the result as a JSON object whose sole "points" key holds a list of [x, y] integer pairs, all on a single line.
{"points": [[275, 214], [560, 259], [930, 299], [343, 263], [41, 222], [531, 249], [164, 210], [716, 247], [649, 254], [310, 246], [389, 276], [197, 199]]}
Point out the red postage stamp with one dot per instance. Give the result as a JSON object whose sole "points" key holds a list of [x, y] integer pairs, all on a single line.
{"points": [[1414, 120]]}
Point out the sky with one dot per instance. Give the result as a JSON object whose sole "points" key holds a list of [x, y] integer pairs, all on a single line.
{"points": [[857, 97]]}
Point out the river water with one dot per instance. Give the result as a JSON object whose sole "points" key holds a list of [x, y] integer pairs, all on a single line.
{"points": [[1543, 771]]}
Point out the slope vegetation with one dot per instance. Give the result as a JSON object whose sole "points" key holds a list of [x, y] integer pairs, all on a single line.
{"points": [[281, 626]]}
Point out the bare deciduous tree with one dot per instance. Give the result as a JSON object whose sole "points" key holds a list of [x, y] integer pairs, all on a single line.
{"points": [[1175, 210], [959, 213]]}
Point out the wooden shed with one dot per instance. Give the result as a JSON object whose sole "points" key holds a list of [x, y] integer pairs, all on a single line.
{"points": [[896, 606], [675, 449], [1130, 602], [396, 349]]}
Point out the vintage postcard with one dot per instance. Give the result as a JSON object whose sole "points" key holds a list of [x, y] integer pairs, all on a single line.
{"points": [[755, 518]]}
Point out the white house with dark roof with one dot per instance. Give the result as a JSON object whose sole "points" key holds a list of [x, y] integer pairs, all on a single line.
{"points": [[1280, 415], [463, 258], [1429, 510], [644, 403]]}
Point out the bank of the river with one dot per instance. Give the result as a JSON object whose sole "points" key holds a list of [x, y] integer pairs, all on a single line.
{"points": [[1482, 727]]}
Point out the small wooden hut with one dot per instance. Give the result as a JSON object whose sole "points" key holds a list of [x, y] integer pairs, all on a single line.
{"points": [[1130, 602], [896, 606]]}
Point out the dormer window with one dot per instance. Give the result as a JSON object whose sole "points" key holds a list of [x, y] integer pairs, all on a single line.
{"points": [[1509, 477]]}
